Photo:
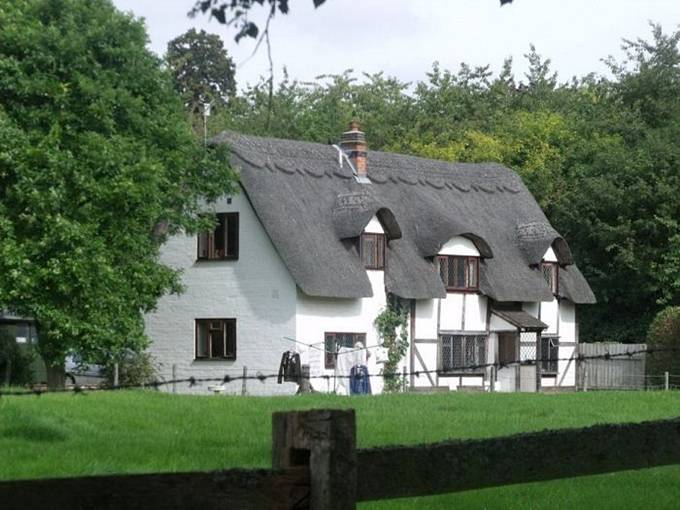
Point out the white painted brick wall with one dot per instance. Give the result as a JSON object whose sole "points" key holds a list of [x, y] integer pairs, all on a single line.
{"points": [[256, 289]]}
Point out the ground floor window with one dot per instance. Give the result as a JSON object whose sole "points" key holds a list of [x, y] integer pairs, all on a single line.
{"points": [[333, 342], [461, 351], [549, 354], [23, 332], [216, 339]]}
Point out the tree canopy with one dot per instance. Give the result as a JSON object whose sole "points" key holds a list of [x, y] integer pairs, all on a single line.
{"points": [[97, 165], [599, 154], [202, 70]]}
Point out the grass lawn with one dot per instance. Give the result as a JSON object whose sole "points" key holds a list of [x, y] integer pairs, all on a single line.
{"points": [[136, 432]]}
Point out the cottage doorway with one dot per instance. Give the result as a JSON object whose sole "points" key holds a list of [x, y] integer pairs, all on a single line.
{"points": [[508, 352]]}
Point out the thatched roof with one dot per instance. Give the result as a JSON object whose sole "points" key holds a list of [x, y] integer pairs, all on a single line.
{"points": [[309, 206]]}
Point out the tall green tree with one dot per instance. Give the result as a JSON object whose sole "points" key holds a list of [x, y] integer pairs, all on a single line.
{"points": [[98, 164], [202, 70]]}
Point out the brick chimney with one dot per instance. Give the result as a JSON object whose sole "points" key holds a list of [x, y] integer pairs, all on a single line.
{"points": [[353, 142]]}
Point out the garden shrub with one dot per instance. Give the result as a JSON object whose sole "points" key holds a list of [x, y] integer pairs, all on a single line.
{"points": [[134, 368], [664, 333]]}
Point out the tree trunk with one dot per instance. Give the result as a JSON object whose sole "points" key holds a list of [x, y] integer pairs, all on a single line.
{"points": [[54, 359], [55, 374]]}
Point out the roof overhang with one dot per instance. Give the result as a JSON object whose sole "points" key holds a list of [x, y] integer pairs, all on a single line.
{"points": [[520, 319]]}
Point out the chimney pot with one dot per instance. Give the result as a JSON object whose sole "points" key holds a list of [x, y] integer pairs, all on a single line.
{"points": [[353, 142]]}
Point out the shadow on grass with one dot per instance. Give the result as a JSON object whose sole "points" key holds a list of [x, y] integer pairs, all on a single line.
{"points": [[34, 432]]}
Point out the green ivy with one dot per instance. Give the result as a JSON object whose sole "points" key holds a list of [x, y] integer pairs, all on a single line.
{"points": [[392, 326]]}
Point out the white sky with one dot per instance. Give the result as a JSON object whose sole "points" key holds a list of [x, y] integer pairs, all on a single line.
{"points": [[404, 37]]}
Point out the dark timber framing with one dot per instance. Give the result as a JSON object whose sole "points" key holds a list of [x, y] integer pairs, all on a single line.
{"points": [[412, 364], [228, 238], [448, 272], [228, 330], [376, 261]]}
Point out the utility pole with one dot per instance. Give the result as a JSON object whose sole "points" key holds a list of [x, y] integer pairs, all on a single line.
{"points": [[206, 114]]}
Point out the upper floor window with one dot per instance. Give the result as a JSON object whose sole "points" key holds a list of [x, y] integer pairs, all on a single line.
{"points": [[216, 339], [372, 250], [221, 243], [459, 273], [550, 274]]}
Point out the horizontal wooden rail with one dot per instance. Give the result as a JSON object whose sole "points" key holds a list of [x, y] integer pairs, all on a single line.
{"points": [[409, 471], [317, 466], [236, 488]]}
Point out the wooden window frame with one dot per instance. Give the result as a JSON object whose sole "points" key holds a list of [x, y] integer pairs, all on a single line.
{"points": [[380, 245], [329, 356], [459, 371], [555, 270], [468, 261], [228, 356], [232, 229]]}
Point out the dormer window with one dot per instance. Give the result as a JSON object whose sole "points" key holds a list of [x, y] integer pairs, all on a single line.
{"points": [[372, 250], [550, 274], [221, 243], [459, 273]]}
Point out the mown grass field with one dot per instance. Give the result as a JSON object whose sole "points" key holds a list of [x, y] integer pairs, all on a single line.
{"points": [[137, 432]]}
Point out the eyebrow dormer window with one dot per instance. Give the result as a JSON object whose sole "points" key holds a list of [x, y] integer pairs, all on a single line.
{"points": [[372, 249], [459, 273], [221, 243], [550, 274]]}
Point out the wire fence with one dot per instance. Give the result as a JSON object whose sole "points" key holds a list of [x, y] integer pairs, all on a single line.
{"points": [[263, 376], [641, 382]]}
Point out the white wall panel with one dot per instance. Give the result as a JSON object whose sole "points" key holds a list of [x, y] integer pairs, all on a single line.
{"points": [[257, 290]]}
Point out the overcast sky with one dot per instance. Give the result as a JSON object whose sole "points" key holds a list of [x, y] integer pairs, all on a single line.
{"points": [[404, 37]]}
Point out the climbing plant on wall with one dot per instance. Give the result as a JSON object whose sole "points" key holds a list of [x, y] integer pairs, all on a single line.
{"points": [[392, 326]]}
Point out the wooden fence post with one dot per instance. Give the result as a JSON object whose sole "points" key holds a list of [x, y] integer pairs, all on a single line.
{"points": [[305, 386], [539, 362], [243, 381], [585, 377], [115, 375], [666, 381], [493, 379], [325, 440], [174, 377]]}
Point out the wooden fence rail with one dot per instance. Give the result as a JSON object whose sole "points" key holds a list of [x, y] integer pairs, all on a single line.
{"points": [[455, 466], [315, 461]]}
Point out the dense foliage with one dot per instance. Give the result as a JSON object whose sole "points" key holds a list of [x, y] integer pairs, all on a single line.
{"points": [[97, 164], [664, 334], [599, 154], [392, 327]]}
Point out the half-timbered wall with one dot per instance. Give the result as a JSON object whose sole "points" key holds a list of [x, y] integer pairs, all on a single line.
{"points": [[458, 313]]}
